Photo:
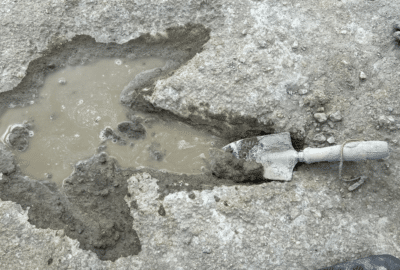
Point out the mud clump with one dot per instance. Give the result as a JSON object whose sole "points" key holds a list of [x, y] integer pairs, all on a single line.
{"points": [[90, 207], [133, 130], [109, 134], [98, 187], [225, 165]]}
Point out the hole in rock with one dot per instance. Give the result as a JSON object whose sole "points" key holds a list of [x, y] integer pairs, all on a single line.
{"points": [[78, 111], [65, 123]]}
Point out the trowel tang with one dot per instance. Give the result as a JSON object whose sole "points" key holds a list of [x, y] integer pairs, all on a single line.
{"points": [[278, 157]]}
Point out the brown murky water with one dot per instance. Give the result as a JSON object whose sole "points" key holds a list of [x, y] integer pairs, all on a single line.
{"points": [[77, 103]]}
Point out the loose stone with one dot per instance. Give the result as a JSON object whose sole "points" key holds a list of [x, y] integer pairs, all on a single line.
{"points": [[62, 81], [320, 117], [363, 76], [331, 140], [336, 117], [385, 120], [319, 138], [303, 91]]}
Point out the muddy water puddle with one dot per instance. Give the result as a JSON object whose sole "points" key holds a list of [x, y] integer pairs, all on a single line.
{"points": [[77, 104]]}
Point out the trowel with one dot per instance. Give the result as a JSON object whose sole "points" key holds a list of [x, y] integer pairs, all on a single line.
{"points": [[278, 157]]}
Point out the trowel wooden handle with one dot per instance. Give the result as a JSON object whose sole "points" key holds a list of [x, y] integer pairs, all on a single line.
{"points": [[352, 151]]}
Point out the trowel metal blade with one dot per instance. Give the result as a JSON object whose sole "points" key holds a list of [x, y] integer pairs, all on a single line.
{"points": [[275, 152]]}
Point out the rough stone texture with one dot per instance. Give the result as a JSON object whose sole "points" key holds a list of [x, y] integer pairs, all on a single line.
{"points": [[377, 262], [260, 54], [6, 160]]}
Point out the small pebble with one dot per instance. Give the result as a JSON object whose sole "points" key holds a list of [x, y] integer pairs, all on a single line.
{"points": [[330, 124], [336, 117], [207, 250], [62, 81], [385, 120], [331, 140], [326, 129], [303, 91], [363, 76], [295, 44], [48, 175], [244, 32], [1, 176], [319, 138], [321, 109], [390, 109], [320, 117]]}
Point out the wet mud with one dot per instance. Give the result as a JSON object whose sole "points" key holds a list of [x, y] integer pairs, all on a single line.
{"points": [[90, 205]]}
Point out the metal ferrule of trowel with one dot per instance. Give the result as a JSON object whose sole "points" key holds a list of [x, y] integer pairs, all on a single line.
{"points": [[278, 157]]}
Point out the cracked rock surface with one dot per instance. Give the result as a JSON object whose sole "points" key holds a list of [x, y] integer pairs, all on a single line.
{"points": [[274, 62]]}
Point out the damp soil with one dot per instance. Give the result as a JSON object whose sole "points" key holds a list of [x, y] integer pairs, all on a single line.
{"points": [[90, 205]]}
